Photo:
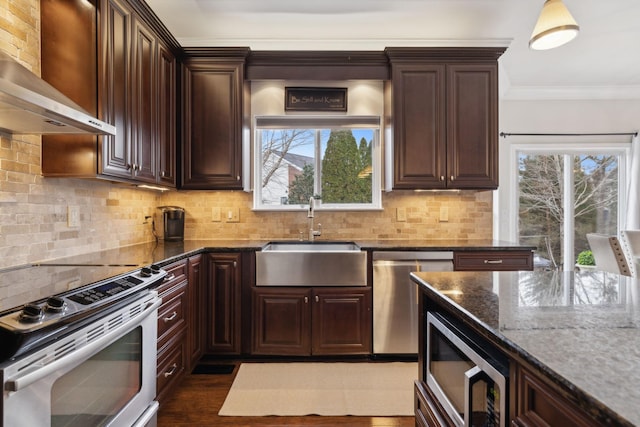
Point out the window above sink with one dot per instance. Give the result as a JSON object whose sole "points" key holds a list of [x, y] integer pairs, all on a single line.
{"points": [[335, 159]]}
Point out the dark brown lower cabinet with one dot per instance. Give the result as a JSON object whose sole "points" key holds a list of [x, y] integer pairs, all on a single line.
{"points": [[428, 412], [196, 310], [172, 330], [311, 321], [541, 405], [223, 303]]}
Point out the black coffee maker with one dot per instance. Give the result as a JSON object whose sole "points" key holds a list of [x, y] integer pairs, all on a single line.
{"points": [[172, 223]]}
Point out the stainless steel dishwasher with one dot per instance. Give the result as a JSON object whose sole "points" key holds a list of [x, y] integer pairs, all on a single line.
{"points": [[395, 297]]}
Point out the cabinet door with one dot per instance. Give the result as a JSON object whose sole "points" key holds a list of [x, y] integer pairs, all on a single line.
{"points": [[195, 311], [213, 125], [472, 126], [341, 321], [144, 102], [281, 321], [166, 114], [114, 87], [224, 303], [419, 125]]}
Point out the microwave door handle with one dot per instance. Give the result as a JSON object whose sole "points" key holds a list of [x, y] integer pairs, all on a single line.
{"points": [[471, 377]]}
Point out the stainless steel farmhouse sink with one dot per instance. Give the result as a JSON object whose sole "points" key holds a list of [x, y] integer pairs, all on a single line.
{"points": [[311, 264]]}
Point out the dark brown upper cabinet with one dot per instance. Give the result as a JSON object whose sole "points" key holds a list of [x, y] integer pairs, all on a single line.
{"points": [[215, 108], [442, 106], [126, 64]]}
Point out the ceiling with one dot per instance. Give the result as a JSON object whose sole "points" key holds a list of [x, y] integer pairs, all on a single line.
{"points": [[602, 62]]}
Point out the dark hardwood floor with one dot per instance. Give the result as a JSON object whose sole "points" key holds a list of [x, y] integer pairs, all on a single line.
{"points": [[198, 399]]}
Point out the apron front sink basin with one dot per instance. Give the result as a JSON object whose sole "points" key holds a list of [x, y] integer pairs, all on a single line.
{"points": [[311, 264]]}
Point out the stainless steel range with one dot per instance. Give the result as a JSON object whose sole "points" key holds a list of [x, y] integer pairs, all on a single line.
{"points": [[86, 357]]}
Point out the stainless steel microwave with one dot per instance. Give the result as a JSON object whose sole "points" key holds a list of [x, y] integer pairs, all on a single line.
{"points": [[469, 382]]}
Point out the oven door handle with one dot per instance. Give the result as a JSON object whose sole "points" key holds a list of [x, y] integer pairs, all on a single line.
{"points": [[81, 354]]}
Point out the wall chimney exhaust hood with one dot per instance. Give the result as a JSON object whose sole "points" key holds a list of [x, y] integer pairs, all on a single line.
{"points": [[29, 105]]}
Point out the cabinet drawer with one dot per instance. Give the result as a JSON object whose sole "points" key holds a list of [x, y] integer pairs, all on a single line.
{"points": [[539, 404], [493, 261], [171, 365], [171, 314], [176, 273]]}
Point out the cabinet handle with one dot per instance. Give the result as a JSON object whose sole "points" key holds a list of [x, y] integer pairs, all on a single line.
{"points": [[441, 177], [172, 371], [235, 264], [238, 178], [317, 298], [163, 174], [169, 278], [452, 178], [170, 318], [493, 261], [306, 300]]}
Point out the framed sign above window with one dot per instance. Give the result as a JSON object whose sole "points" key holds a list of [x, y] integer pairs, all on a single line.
{"points": [[315, 99]]}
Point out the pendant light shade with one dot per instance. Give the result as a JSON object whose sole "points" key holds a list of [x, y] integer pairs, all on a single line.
{"points": [[554, 28]]}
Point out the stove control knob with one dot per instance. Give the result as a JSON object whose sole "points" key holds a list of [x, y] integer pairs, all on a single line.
{"points": [[55, 305], [31, 313], [145, 272], [155, 269]]}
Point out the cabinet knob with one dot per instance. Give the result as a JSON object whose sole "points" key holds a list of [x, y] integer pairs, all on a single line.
{"points": [[128, 166], [235, 264], [238, 178], [317, 298], [452, 178], [306, 300], [441, 177], [163, 174]]}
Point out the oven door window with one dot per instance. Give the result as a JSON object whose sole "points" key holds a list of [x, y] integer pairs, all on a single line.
{"points": [[95, 391], [453, 373]]}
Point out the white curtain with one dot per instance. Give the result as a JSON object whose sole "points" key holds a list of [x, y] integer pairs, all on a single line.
{"points": [[633, 189]]}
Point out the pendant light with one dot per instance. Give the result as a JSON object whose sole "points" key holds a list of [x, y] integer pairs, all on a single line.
{"points": [[554, 28]]}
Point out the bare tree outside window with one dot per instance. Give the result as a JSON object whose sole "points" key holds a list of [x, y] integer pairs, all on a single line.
{"points": [[542, 191]]}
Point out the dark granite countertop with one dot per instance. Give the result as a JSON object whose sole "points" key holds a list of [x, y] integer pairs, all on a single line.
{"points": [[578, 329], [64, 274]]}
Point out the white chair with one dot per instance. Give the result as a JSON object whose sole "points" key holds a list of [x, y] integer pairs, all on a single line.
{"points": [[630, 240], [608, 254]]}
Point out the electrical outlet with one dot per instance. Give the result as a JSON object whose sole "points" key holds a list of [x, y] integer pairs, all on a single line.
{"points": [[216, 215], [73, 216], [233, 215], [401, 214], [444, 214]]}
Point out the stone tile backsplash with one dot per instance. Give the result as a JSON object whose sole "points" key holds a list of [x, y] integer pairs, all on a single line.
{"points": [[33, 210]]}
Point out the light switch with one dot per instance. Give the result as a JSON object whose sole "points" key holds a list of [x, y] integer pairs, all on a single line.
{"points": [[73, 216], [215, 214], [401, 214], [233, 215], [444, 214]]}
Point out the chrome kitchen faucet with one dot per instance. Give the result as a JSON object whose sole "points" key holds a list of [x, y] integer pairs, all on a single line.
{"points": [[310, 214]]}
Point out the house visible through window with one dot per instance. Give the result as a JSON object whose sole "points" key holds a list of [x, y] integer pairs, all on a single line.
{"points": [[563, 193], [336, 160]]}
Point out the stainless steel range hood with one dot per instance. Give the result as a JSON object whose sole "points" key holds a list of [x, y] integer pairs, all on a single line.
{"points": [[29, 105]]}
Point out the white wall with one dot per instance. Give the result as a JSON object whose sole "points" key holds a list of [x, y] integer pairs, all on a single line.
{"points": [[555, 116]]}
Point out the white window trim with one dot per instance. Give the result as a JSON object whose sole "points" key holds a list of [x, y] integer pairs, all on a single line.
{"points": [[322, 122]]}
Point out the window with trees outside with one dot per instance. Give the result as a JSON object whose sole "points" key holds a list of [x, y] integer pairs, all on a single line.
{"points": [[336, 160], [563, 193]]}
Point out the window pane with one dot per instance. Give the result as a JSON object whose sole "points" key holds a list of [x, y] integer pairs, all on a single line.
{"points": [[333, 164], [287, 168], [346, 166], [541, 212], [544, 185]]}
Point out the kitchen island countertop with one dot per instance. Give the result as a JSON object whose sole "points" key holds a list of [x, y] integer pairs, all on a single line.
{"points": [[580, 330]]}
